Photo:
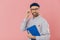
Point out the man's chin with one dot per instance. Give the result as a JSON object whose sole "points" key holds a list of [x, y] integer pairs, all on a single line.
{"points": [[35, 15]]}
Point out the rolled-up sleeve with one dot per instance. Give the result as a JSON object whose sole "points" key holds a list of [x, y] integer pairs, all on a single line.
{"points": [[45, 34]]}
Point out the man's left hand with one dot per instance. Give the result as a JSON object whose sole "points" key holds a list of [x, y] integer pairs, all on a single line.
{"points": [[30, 36]]}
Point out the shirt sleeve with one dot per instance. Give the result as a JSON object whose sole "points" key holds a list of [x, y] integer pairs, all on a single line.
{"points": [[24, 24], [45, 34]]}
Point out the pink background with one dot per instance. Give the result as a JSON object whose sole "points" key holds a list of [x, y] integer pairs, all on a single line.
{"points": [[12, 12]]}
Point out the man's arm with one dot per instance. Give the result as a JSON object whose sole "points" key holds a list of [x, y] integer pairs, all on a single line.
{"points": [[24, 23]]}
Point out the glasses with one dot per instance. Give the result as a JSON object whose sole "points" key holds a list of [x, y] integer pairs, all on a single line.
{"points": [[35, 9]]}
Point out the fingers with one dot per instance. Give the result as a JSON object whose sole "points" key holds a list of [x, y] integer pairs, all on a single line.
{"points": [[27, 13]]}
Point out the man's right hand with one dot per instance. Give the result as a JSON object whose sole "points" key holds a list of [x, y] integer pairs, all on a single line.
{"points": [[28, 14]]}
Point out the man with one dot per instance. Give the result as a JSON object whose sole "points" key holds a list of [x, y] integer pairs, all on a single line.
{"points": [[39, 21]]}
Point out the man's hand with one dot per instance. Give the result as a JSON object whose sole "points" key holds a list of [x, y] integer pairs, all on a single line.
{"points": [[28, 13], [30, 36]]}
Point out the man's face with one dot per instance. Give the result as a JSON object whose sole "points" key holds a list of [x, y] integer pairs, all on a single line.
{"points": [[34, 10]]}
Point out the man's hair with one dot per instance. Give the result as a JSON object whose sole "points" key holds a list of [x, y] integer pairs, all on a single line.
{"points": [[34, 4]]}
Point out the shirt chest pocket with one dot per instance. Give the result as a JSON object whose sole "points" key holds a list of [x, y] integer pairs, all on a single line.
{"points": [[38, 24]]}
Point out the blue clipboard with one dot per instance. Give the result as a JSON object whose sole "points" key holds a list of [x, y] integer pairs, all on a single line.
{"points": [[33, 30]]}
